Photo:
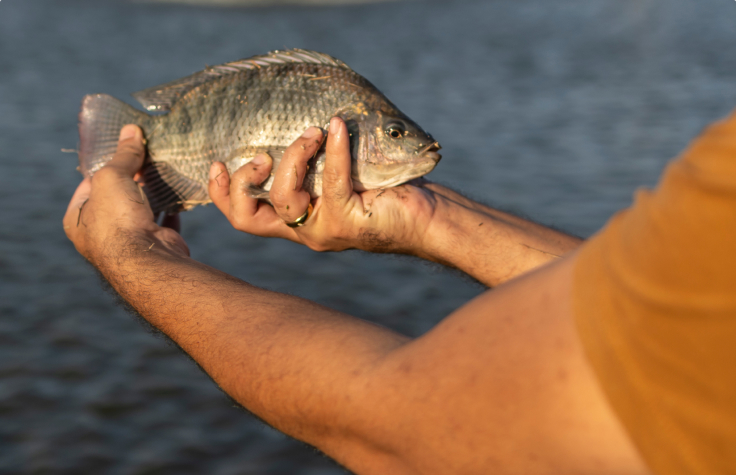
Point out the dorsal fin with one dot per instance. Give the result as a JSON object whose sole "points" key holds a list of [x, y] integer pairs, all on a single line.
{"points": [[161, 98]]}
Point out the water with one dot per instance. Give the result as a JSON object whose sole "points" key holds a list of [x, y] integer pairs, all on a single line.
{"points": [[556, 110]]}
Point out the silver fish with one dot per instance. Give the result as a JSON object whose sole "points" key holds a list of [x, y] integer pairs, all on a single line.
{"points": [[232, 112]]}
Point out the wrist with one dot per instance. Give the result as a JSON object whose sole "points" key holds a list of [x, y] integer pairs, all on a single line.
{"points": [[419, 211], [124, 247], [489, 245], [435, 241]]}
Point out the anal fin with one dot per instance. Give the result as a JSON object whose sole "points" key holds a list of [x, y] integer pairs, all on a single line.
{"points": [[169, 191]]}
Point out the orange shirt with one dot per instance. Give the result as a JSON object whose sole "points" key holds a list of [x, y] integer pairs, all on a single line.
{"points": [[654, 297]]}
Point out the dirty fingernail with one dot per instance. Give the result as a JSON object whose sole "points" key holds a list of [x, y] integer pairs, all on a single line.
{"points": [[334, 125], [128, 132], [311, 133], [259, 160], [214, 171]]}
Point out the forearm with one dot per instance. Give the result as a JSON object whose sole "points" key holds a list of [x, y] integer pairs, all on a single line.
{"points": [[490, 245], [465, 398], [426, 219], [290, 361]]}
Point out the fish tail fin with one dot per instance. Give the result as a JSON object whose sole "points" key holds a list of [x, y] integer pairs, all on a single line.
{"points": [[100, 120]]}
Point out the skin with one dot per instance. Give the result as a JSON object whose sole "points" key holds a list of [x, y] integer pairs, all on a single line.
{"points": [[428, 220], [500, 386]]}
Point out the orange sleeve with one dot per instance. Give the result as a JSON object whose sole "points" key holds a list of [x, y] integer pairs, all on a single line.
{"points": [[654, 297]]}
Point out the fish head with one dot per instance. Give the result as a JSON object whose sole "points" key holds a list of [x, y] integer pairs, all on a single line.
{"points": [[389, 149]]}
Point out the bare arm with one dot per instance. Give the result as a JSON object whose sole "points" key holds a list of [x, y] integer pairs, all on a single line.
{"points": [[423, 219], [283, 357], [471, 396], [490, 245]]}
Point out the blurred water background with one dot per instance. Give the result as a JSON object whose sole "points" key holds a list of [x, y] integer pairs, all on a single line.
{"points": [[557, 110]]}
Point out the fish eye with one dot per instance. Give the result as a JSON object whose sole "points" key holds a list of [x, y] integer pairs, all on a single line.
{"points": [[395, 131]]}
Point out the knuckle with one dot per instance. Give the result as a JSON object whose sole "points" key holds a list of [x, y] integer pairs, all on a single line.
{"points": [[317, 246], [127, 150], [332, 176], [105, 174], [131, 146], [241, 174], [334, 194], [239, 223], [278, 198]]}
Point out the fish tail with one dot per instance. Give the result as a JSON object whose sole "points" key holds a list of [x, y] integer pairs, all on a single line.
{"points": [[100, 120]]}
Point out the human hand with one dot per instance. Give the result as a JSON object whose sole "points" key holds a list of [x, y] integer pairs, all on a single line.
{"points": [[386, 220], [109, 215]]}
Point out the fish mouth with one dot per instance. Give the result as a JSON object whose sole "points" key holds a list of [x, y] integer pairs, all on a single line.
{"points": [[430, 151]]}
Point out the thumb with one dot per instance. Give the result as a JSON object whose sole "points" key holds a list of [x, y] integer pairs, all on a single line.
{"points": [[131, 151], [337, 185]]}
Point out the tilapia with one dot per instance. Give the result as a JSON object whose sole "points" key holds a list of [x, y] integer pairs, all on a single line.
{"points": [[232, 112]]}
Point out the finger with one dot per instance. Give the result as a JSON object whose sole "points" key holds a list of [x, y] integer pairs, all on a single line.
{"points": [[73, 211], [117, 175], [172, 221], [219, 187], [337, 185], [130, 152], [288, 198], [242, 205]]}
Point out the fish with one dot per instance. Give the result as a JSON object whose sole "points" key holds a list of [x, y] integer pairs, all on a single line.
{"points": [[234, 111]]}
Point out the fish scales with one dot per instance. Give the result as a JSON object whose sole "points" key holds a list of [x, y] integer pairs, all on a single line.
{"points": [[263, 108], [232, 112]]}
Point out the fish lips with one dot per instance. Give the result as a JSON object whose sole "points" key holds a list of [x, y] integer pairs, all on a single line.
{"points": [[434, 156], [430, 151]]}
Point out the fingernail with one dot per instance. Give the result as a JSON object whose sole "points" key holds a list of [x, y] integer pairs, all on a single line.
{"points": [[334, 125], [213, 171], [311, 133], [129, 132], [259, 160]]}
